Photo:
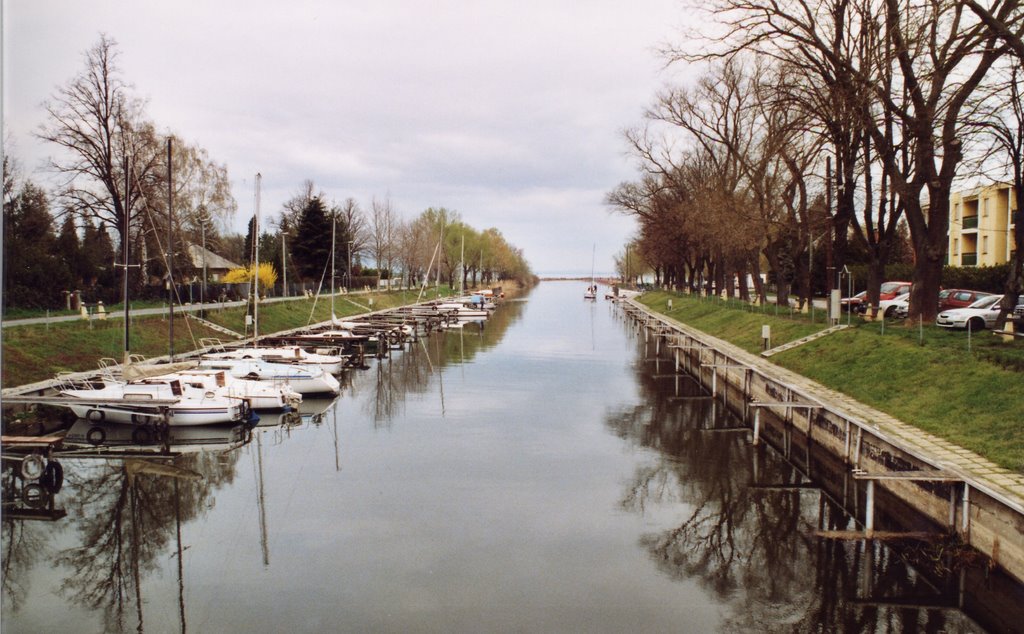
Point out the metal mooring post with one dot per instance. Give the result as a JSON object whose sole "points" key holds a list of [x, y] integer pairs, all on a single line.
{"points": [[869, 512], [757, 425]]}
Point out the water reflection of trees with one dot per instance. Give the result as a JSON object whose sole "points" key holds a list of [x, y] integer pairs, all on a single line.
{"points": [[125, 518], [748, 520], [23, 544], [411, 371]]}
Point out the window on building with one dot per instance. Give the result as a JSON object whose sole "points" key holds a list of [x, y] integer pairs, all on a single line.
{"points": [[984, 244], [956, 211], [984, 207], [956, 246]]}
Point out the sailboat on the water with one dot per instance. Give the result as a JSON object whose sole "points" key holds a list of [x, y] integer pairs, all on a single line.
{"points": [[592, 289]]}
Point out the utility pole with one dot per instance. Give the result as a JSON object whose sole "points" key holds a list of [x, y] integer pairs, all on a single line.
{"points": [[170, 250], [348, 274], [202, 292], [829, 266], [284, 268]]}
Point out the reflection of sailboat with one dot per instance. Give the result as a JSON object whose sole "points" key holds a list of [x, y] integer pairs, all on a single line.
{"points": [[86, 438], [592, 289]]}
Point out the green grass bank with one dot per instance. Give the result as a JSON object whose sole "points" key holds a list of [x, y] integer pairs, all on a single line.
{"points": [[924, 375], [38, 352]]}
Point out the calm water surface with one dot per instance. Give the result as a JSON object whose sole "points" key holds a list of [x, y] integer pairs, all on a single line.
{"points": [[540, 474]]}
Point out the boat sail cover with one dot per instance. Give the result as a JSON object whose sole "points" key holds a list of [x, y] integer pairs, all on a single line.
{"points": [[135, 371]]}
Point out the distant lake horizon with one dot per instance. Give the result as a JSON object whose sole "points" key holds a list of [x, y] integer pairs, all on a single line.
{"points": [[574, 274]]}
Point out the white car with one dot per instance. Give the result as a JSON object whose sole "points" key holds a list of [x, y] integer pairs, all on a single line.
{"points": [[979, 315], [890, 308]]}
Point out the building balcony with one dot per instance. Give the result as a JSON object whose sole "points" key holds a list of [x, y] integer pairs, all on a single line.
{"points": [[969, 258], [970, 222]]}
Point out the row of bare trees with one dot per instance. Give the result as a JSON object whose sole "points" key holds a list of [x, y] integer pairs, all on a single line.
{"points": [[148, 194], [820, 122], [435, 244]]}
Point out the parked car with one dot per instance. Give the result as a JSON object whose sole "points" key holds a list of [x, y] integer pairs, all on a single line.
{"points": [[1018, 313], [981, 314], [958, 298], [888, 290], [890, 308], [847, 304]]}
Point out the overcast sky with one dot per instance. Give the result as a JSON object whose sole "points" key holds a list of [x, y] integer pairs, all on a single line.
{"points": [[509, 112]]}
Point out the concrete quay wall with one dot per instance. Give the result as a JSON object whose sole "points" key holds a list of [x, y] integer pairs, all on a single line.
{"points": [[956, 490]]}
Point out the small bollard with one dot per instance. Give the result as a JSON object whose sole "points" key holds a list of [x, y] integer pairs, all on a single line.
{"points": [[1008, 331], [101, 311], [766, 337], [670, 304], [83, 311]]}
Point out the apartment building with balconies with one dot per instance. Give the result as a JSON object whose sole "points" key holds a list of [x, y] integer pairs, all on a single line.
{"points": [[981, 223]]}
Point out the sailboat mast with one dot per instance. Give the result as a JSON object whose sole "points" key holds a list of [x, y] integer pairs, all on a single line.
{"points": [[124, 257], [440, 246], [334, 227], [170, 253], [256, 264]]}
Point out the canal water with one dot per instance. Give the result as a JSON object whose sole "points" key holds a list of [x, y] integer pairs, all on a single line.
{"points": [[543, 472]]}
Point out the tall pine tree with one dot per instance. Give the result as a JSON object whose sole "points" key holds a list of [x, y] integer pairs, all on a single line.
{"points": [[311, 247]]}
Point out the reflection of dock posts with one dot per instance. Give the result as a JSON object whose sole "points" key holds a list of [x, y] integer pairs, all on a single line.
{"points": [[726, 366], [914, 476], [787, 418], [869, 510]]}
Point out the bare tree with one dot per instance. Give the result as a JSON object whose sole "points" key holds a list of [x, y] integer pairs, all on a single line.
{"points": [[938, 58], [1003, 126], [382, 234], [108, 147]]}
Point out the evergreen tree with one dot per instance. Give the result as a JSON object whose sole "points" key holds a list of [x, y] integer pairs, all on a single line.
{"points": [[311, 247], [69, 251], [248, 241], [100, 277], [32, 271]]}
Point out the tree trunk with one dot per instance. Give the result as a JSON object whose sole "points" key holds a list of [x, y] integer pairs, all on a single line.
{"points": [[930, 244], [1015, 277]]}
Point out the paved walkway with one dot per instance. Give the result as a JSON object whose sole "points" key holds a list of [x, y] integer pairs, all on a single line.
{"points": [[978, 471], [118, 313]]}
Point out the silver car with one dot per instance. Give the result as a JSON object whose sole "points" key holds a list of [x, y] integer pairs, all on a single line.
{"points": [[979, 315]]}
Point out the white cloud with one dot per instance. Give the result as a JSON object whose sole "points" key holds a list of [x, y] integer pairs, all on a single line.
{"points": [[508, 111]]}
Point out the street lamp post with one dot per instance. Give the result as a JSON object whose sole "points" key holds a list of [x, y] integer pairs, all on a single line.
{"points": [[348, 284]]}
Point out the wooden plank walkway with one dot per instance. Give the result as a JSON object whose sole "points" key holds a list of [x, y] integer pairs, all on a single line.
{"points": [[803, 340]]}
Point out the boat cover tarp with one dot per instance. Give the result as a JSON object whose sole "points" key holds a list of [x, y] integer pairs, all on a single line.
{"points": [[135, 371]]}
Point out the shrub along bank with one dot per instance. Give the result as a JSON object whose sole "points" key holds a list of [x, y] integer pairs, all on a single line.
{"points": [[925, 376]]}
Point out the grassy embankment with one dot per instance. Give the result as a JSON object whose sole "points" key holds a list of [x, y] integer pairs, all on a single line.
{"points": [[974, 398], [36, 353]]}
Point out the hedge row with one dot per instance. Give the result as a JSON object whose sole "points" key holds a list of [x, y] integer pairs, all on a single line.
{"points": [[991, 279]]}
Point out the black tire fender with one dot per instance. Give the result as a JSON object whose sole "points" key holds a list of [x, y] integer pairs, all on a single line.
{"points": [[142, 436], [32, 467], [33, 495], [53, 477], [96, 435]]}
